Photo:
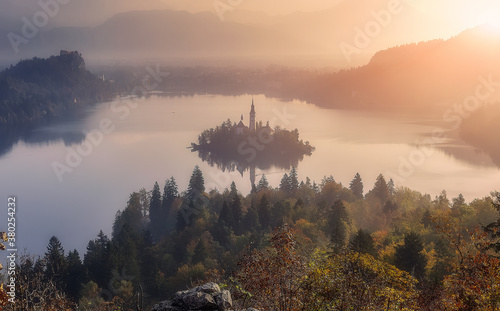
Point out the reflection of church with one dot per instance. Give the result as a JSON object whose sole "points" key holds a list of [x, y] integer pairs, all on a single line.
{"points": [[242, 129], [251, 146]]}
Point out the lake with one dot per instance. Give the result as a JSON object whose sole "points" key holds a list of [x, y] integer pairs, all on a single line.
{"points": [[71, 185]]}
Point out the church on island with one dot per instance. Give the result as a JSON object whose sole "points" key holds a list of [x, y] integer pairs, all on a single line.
{"points": [[241, 128]]}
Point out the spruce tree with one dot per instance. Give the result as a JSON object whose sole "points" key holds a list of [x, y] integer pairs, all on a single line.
{"points": [[55, 262], [200, 253], [293, 181], [155, 214], [264, 212], [380, 190], [170, 193], [285, 184], [237, 211], [251, 220], [362, 242], [226, 216], [196, 185], [409, 256], [97, 259], [181, 222], [339, 224], [391, 187], [356, 186], [75, 276], [263, 184]]}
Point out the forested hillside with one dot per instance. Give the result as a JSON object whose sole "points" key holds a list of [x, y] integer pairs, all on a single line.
{"points": [[300, 246], [39, 88]]}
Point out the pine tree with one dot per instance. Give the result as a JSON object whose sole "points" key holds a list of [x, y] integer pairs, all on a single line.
{"points": [[237, 211], [293, 181], [131, 215], [170, 193], [233, 192], [55, 262], [263, 183], [200, 253], [390, 206], [264, 212], [362, 242], [196, 185], [285, 184], [339, 224], [409, 256], [97, 259], [125, 249], [75, 276], [155, 212], [356, 186], [380, 190], [226, 217], [391, 187], [251, 221], [181, 222]]}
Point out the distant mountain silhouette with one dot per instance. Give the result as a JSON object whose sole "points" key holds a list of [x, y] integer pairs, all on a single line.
{"points": [[429, 75], [169, 35], [243, 35]]}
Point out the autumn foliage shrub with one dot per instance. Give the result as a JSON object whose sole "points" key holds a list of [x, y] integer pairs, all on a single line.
{"points": [[279, 279]]}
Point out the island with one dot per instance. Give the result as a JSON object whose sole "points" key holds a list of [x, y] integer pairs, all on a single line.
{"points": [[232, 146]]}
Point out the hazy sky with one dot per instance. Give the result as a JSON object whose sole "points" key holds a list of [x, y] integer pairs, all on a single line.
{"points": [[421, 20], [456, 13]]}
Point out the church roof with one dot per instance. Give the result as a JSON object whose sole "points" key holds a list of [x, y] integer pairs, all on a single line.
{"points": [[241, 124]]}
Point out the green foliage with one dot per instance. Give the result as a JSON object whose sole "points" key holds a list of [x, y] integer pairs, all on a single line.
{"points": [[38, 88], [409, 256], [339, 223], [288, 269], [196, 185], [155, 210], [356, 186], [263, 184], [354, 281], [362, 242], [225, 147], [55, 262], [75, 275], [380, 190], [493, 229]]}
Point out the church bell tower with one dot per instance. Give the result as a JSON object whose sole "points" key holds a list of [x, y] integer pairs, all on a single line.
{"points": [[251, 126]]}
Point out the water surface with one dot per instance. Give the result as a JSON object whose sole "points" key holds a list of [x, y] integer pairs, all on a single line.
{"points": [[145, 140]]}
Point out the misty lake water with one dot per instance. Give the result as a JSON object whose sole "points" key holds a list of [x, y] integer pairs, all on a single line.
{"points": [[149, 141]]}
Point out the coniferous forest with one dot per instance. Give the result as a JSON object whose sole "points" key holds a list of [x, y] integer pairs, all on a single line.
{"points": [[37, 89], [300, 246]]}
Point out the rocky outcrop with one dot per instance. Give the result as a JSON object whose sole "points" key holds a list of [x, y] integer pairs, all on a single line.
{"points": [[208, 297]]}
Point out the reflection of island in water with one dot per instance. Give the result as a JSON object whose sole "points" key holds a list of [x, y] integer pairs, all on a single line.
{"points": [[42, 133], [238, 147]]}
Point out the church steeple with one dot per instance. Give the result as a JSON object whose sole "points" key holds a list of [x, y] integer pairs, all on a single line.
{"points": [[251, 126]]}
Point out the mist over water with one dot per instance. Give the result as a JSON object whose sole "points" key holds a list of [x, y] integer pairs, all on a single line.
{"points": [[150, 144]]}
